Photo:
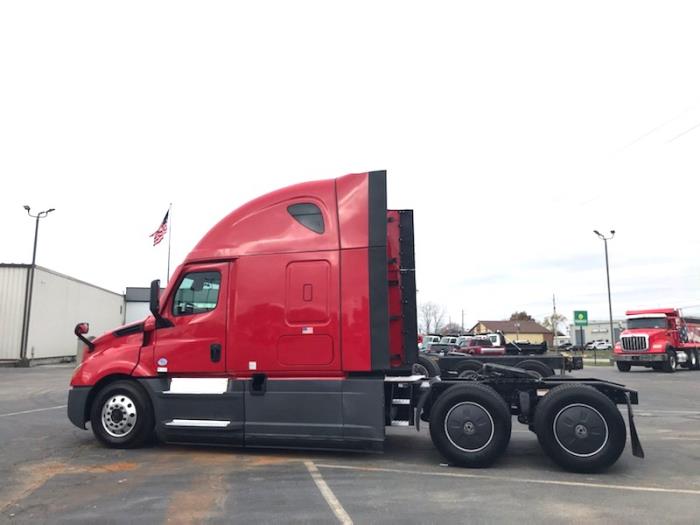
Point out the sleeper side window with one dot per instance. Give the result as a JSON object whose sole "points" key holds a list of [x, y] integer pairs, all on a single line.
{"points": [[198, 293], [308, 215]]}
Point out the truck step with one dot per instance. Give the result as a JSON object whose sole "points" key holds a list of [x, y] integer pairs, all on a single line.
{"points": [[399, 401], [400, 423]]}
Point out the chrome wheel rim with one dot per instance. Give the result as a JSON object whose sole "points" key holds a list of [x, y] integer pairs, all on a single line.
{"points": [[580, 430], [119, 416], [469, 427]]}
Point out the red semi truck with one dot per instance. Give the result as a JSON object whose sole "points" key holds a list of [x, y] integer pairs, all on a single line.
{"points": [[661, 339], [292, 323]]}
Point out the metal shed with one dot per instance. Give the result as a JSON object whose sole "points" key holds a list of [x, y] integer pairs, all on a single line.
{"points": [[137, 303], [58, 303]]}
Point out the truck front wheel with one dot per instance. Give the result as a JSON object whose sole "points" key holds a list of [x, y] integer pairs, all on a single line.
{"points": [[623, 367], [122, 416], [580, 428], [470, 425]]}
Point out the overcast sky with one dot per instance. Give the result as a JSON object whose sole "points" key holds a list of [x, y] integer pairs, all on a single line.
{"points": [[512, 129]]}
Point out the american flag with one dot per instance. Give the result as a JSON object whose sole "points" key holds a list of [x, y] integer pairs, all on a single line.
{"points": [[161, 231]]}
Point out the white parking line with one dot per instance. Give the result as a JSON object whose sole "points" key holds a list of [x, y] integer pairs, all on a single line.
{"points": [[667, 412], [327, 494], [606, 486], [645, 437], [32, 411]]}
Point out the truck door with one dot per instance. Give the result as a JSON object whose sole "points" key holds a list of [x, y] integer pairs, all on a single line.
{"points": [[196, 343]]}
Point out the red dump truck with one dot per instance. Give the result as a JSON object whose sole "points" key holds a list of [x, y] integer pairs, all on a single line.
{"points": [[662, 339], [292, 323]]}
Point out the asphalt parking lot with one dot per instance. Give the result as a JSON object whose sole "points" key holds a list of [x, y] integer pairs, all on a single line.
{"points": [[52, 472]]}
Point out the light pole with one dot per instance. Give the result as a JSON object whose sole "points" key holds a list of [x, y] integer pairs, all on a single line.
{"points": [[29, 287], [607, 273]]}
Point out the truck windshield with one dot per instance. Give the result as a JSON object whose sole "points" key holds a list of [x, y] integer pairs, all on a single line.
{"points": [[648, 322]]}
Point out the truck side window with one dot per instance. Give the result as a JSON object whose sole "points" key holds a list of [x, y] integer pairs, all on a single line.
{"points": [[198, 293], [308, 215]]}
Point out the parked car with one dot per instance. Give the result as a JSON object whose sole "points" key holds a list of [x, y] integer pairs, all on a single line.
{"points": [[566, 347], [428, 341], [461, 339], [480, 346], [449, 340], [598, 344]]}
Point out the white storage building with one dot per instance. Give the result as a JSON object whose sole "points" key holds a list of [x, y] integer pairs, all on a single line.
{"points": [[137, 302], [58, 302]]}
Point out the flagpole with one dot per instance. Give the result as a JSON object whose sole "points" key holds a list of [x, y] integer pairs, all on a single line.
{"points": [[170, 229]]}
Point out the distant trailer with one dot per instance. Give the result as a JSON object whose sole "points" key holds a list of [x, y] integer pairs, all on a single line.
{"points": [[455, 364]]}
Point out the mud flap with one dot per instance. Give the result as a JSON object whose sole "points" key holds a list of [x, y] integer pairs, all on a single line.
{"points": [[637, 450], [422, 400]]}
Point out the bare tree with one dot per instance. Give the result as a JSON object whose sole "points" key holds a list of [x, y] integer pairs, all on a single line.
{"points": [[553, 322], [451, 329], [431, 317], [521, 316]]}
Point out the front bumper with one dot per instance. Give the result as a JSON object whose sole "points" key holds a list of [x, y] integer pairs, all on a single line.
{"points": [[77, 404], [640, 358]]}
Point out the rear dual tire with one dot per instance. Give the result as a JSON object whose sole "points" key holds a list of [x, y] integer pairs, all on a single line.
{"points": [[426, 367], [671, 363], [470, 425], [469, 369], [579, 428], [537, 367]]}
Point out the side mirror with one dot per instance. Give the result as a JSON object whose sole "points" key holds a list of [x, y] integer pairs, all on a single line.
{"points": [[80, 330], [161, 322], [155, 295]]}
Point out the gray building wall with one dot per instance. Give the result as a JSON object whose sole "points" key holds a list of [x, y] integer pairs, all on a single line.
{"points": [[137, 304], [596, 330], [136, 311]]}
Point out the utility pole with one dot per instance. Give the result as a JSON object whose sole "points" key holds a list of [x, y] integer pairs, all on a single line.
{"points": [[554, 320], [29, 288], [607, 273]]}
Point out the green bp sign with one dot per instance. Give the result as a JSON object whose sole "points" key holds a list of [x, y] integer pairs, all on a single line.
{"points": [[580, 318]]}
